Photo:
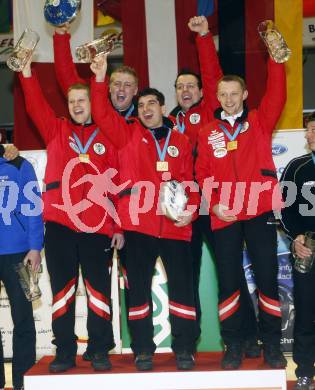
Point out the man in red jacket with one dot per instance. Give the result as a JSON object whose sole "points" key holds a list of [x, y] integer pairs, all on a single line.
{"points": [[153, 153], [235, 169], [123, 81], [79, 213], [197, 101]]}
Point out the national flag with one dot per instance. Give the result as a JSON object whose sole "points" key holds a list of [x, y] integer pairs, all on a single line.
{"points": [[242, 51]]}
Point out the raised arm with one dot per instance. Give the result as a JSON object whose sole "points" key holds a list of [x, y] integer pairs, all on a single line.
{"points": [[274, 99], [112, 125], [36, 105], [66, 71], [210, 67]]}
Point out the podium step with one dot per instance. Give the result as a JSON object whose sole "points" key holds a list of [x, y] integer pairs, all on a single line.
{"points": [[254, 374]]}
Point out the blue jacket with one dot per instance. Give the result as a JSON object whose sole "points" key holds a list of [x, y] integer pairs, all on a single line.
{"points": [[21, 223]]}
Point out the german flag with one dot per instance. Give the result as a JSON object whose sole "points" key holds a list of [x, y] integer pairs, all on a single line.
{"points": [[242, 52]]}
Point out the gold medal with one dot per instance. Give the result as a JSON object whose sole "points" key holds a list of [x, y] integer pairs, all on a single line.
{"points": [[231, 145], [162, 166], [84, 158]]}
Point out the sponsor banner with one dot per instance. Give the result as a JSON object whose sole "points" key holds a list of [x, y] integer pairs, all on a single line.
{"points": [[309, 32], [6, 46]]}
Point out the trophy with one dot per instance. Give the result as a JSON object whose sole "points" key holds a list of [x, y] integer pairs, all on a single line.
{"points": [[88, 51], [304, 264], [23, 50], [173, 199], [59, 12], [274, 41], [28, 279]]}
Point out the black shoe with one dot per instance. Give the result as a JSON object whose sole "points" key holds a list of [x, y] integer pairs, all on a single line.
{"points": [[62, 363], [233, 357], [100, 361], [252, 349], [304, 383], [86, 356], [185, 361], [144, 361], [273, 356]]}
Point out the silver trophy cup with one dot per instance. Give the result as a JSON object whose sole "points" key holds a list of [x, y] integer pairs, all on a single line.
{"points": [[305, 264], [276, 45]]}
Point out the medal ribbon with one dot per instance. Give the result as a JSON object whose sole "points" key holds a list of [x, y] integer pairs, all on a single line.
{"points": [[228, 134], [85, 148], [180, 126], [162, 152], [131, 108]]}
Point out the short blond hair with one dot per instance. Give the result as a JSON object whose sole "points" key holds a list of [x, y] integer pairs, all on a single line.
{"points": [[125, 69]]}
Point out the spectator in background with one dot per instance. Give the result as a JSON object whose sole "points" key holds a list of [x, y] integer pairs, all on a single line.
{"points": [[21, 240], [297, 219]]}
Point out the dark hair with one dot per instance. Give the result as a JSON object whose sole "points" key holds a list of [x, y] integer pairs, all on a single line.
{"points": [[152, 91], [188, 72], [310, 118], [233, 77]]}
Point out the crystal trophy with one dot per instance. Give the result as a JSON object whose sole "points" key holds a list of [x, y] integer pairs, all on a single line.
{"points": [[173, 199], [274, 41], [305, 264], [85, 53], [28, 279], [23, 50], [59, 12]]}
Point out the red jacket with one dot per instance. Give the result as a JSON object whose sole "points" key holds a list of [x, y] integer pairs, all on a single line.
{"points": [[58, 137], [202, 113], [252, 160], [138, 158]]}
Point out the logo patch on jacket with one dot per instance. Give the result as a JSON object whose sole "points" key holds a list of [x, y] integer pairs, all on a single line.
{"points": [[194, 118], [99, 148], [172, 151]]}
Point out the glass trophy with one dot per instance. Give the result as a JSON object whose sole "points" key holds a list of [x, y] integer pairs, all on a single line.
{"points": [[23, 50], [274, 41], [305, 264], [85, 53], [28, 279]]}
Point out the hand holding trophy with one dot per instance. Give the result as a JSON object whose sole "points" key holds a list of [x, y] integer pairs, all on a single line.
{"points": [[28, 273], [23, 50], [274, 41], [173, 199], [104, 45]]}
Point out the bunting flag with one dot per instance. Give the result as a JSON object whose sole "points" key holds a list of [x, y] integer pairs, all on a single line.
{"points": [[242, 52]]}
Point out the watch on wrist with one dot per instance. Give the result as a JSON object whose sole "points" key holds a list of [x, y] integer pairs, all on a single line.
{"points": [[202, 34]]}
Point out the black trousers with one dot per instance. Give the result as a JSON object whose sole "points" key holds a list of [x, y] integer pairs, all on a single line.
{"points": [[304, 325], [24, 335], [66, 250], [260, 236], [141, 254], [201, 230]]}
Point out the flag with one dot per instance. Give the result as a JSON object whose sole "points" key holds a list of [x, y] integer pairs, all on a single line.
{"points": [[242, 52]]}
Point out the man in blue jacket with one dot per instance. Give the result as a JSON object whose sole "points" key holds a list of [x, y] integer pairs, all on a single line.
{"points": [[21, 240]]}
